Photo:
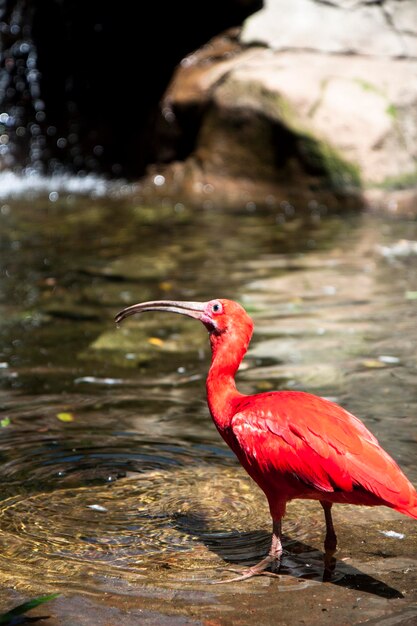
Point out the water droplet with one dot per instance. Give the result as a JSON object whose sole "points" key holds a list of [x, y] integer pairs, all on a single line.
{"points": [[159, 180]]}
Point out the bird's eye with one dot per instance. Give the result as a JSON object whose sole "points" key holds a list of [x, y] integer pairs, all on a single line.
{"points": [[216, 307]]}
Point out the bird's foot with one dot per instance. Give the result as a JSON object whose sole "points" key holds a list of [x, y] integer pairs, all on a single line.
{"points": [[260, 569]]}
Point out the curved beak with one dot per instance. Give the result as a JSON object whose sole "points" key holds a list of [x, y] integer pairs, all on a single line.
{"points": [[192, 309]]}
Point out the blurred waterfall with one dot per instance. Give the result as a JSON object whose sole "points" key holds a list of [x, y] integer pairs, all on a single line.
{"points": [[22, 115]]}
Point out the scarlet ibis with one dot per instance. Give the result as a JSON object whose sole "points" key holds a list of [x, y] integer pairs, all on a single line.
{"points": [[292, 443]]}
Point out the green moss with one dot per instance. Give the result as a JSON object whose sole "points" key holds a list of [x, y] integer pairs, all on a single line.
{"points": [[321, 159], [367, 86], [282, 110], [392, 111], [316, 154], [403, 181]]}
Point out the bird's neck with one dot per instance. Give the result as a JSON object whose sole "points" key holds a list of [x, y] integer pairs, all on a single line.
{"points": [[222, 394]]}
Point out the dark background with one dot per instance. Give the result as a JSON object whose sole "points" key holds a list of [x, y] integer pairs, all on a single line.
{"points": [[82, 80]]}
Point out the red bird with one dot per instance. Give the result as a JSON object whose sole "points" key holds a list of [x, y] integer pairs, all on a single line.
{"points": [[293, 444]]}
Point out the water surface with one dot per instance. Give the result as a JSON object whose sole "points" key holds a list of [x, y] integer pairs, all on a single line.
{"points": [[116, 488]]}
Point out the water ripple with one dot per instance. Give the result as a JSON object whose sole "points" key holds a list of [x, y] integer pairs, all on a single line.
{"points": [[145, 526]]}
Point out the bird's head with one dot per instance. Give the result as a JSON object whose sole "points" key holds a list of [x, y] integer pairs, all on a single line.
{"points": [[222, 318]]}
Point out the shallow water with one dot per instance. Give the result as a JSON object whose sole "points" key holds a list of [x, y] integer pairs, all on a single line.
{"points": [[117, 490]]}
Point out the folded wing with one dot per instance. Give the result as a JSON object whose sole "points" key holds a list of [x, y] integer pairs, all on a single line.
{"points": [[296, 434]]}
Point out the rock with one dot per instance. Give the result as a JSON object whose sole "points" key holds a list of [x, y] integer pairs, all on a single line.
{"points": [[319, 377], [392, 201], [404, 248], [302, 104], [363, 99], [138, 343], [137, 266], [342, 27], [252, 147]]}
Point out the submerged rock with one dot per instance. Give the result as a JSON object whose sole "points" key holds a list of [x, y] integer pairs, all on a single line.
{"points": [[136, 344]]}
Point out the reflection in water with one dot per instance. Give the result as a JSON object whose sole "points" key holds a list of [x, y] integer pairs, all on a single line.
{"points": [[138, 488]]}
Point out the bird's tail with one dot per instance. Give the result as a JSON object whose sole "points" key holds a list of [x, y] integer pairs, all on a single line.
{"points": [[410, 508], [411, 511]]}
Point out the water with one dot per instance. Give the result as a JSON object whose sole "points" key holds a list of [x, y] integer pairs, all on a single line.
{"points": [[116, 488]]}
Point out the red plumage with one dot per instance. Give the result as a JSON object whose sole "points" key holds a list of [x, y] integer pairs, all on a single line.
{"points": [[298, 445], [293, 444]]}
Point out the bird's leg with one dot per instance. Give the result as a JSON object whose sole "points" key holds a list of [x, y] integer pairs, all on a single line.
{"points": [[272, 560], [330, 541]]}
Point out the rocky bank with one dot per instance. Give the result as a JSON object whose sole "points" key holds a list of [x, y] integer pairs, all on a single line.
{"points": [[309, 102]]}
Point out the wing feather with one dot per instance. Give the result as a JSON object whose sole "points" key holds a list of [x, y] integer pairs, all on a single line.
{"points": [[325, 447]]}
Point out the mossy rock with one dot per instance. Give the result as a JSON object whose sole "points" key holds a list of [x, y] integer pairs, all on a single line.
{"points": [[254, 130], [135, 344], [139, 266], [404, 181], [320, 158]]}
